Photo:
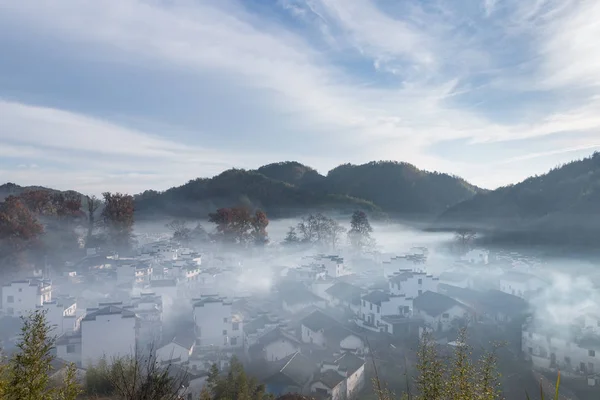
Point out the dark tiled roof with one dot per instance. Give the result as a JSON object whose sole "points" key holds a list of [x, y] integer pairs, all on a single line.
{"points": [[299, 295], [433, 303], [349, 363], [185, 339], [296, 369], [345, 292], [276, 335], [329, 378], [376, 297], [335, 334], [108, 310], [318, 320], [163, 283]]}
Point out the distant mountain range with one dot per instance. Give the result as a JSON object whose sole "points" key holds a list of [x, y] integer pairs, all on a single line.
{"points": [[562, 206], [290, 188]]}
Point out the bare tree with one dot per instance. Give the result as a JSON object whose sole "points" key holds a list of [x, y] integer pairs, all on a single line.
{"points": [[181, 231], [464, 238], [142, 378]]}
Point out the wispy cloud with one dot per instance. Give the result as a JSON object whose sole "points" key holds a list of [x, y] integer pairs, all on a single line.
{"points": [[388, 81]]}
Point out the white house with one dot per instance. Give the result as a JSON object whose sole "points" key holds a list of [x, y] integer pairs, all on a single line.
{"points": [[107, 332], [348, 381], [323, 331], [378, 304], [345, 296], [275, 345], [148, 308], [412, 283], [68, 347], [520, 284], [476, 256], [178, 350], [439, 312], [568, 349], [19, 298], [60, 314], [215, 323]]}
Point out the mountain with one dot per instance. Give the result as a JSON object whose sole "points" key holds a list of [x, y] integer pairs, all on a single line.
{"points": [[561, 207], [12, 189], [400, 188], [290, 188], [237, 186]]}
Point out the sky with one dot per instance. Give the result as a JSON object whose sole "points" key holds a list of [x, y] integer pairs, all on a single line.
{"points": [[129, 95]]}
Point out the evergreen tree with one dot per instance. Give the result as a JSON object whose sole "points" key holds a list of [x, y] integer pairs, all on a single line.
{"points": [[291, 238], [29, 369]]}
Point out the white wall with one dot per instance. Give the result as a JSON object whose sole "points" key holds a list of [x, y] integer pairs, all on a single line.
{"points": [[21, 298], [355, 383], [415, 285], [445, 319], [107, 336], [309, 336], [353, 343], [337, 393], [214, 325]]}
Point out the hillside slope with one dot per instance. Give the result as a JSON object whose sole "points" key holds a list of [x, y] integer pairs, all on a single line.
{"points": [[240, 187], [290, 188], [561, 206]]}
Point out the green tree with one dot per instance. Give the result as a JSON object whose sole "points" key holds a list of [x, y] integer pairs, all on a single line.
{"points": [[235, 384], [28, 371], [291, 237]]}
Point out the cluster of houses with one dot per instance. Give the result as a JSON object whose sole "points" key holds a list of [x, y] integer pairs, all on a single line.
{"points": [[310, 332]]}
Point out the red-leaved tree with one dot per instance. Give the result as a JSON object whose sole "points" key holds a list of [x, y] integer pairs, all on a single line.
{"points": [[19, 232]]}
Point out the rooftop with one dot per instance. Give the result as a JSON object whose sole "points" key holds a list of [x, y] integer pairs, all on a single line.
{"points": [[318, 320], [376, 297], [92, 313], [345, 292], [433, 303], [329, 378]]}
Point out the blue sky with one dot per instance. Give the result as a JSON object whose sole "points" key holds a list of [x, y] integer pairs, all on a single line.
{"points": [[134, 94]]}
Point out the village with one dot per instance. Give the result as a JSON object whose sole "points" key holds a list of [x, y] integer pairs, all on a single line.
{"points": [[316, 325]]}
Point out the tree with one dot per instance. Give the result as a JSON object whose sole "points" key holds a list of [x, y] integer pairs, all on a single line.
{"points": [[291, 238], [135, 378], [320, 229], [259, 228], [92, 204], [464, 238], [29, 369], [19, 232], [238, 225], [181, 232], [118, 217], [235, 384], [360, 231]]}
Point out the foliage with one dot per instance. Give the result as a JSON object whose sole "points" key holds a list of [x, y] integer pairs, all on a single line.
{"points": [[235, 384], [291, 237], [360, 231], [320, 229], [561, 207], [464, 238], [135, 378], [238, 225], [181, 232], [19, 231], [28, 372], [92, 205], [118, 217]]}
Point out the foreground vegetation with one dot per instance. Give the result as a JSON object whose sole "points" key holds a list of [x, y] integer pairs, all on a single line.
{"points": [[29, 375]]}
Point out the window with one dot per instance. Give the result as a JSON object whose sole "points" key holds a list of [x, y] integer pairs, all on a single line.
{"points": [[70, 348], [225, 319], [445, 315], [235, 326], [20, 290], [224, 332], [10, 299], [420, 281], [592, 353], [233, 341]]}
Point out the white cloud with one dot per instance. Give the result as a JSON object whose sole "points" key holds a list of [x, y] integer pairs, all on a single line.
{"points": [[397, 121]]}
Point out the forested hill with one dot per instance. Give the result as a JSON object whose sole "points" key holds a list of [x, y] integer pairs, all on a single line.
{"points": [[561, 206], [290, 188], [12, 189]]}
